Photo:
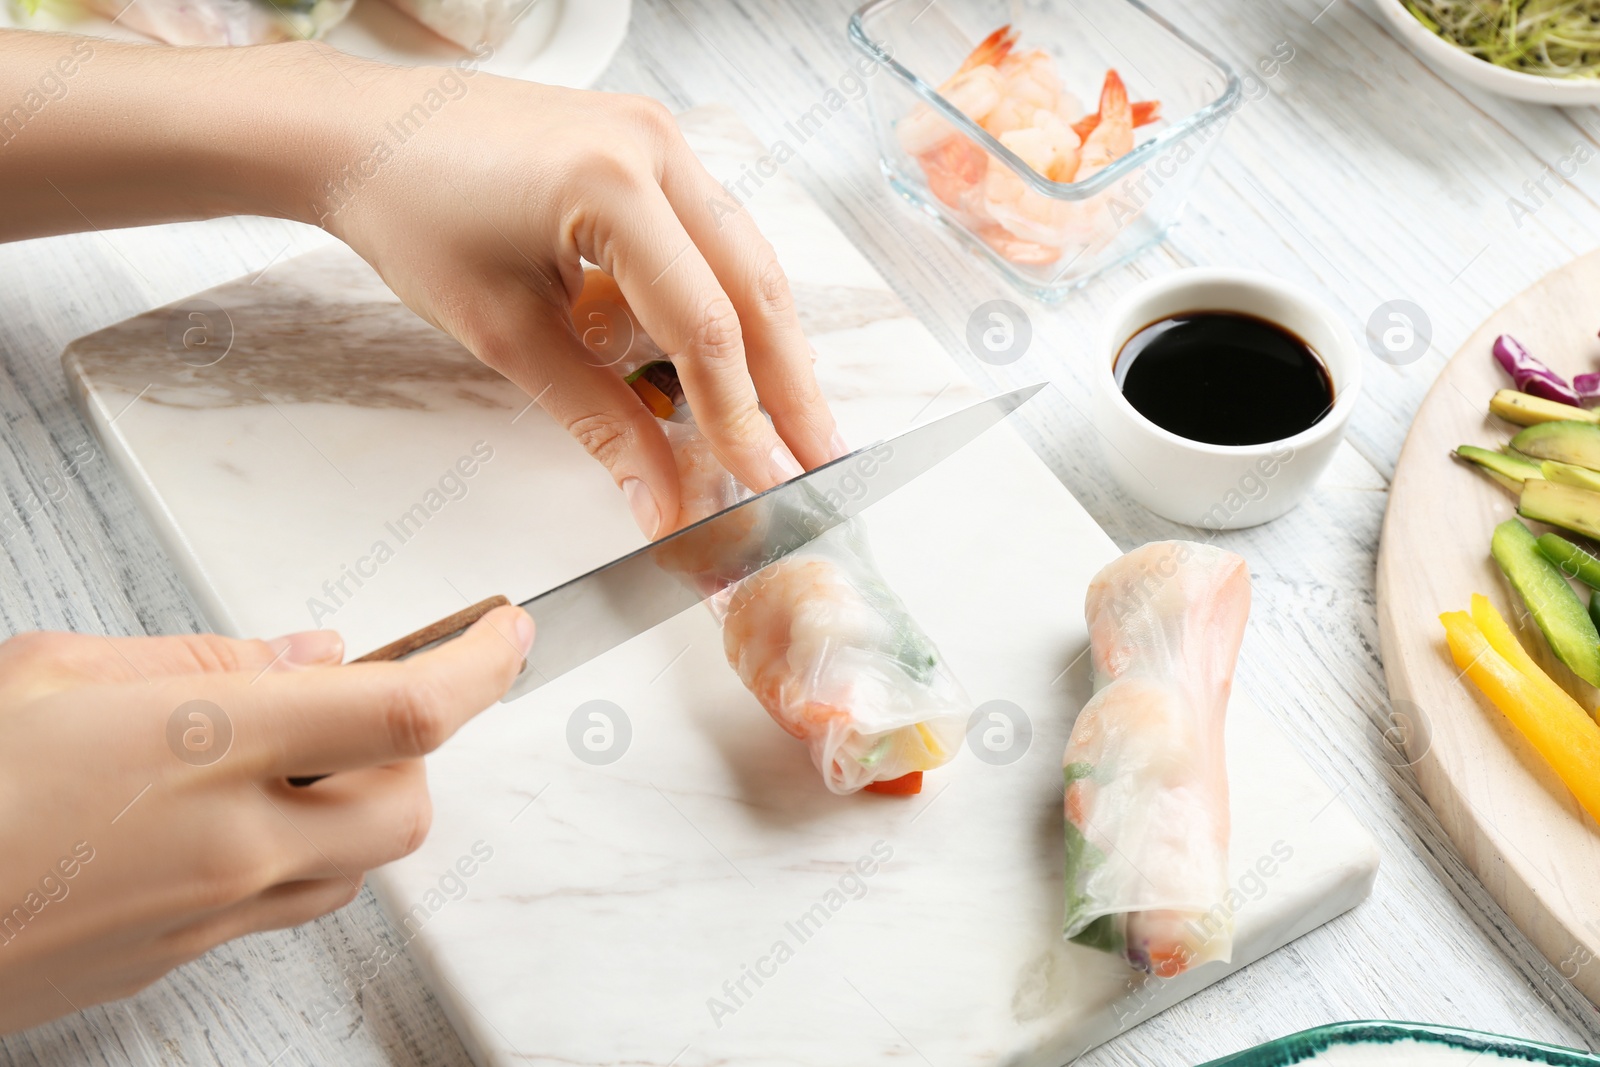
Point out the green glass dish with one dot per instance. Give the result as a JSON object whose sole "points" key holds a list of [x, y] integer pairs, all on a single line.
{"points": [[1307, 1045]]}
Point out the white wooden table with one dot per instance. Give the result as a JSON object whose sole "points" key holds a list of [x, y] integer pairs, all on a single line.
{"points": [[1354, 171]]}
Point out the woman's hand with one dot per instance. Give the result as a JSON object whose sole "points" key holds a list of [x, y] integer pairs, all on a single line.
{"points": [[149, 816], [478, 219], [474, 196]]}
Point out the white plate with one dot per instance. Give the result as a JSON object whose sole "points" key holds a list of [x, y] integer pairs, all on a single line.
{"points": [[1463, 68], [559, 42]]}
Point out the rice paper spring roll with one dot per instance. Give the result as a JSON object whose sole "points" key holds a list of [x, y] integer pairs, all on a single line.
{"points": [[836, 659], [472, 24], [706, 488], [215, 22], [823, 643], [1145, 768]]}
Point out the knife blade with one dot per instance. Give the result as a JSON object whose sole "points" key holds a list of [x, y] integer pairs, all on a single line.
{"points": [[597, 611]]}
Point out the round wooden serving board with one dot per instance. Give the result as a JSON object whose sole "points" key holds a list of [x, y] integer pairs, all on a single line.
{"points": [[1513, 821]]}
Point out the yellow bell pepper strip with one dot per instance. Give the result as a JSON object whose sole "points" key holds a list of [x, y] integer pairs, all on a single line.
{"points": [[1500, 637], [1557, 727]]}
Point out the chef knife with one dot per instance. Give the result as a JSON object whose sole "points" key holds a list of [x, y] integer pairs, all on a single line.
{"points": [[597, 611]]}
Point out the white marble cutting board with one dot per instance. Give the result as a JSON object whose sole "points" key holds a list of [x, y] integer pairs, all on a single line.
{"points": [[616, 913]]}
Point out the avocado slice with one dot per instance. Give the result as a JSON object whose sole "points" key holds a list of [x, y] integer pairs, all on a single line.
{"points": [[1567, 474], [1555, 608], [1525, 410], [1560, 505], [1571, 560], [1509, 471], [1565, 442]]}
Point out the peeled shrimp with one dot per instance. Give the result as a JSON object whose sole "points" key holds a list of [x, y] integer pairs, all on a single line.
{"points": [[1029, 85], [1050, 148], [974, 89], [1144, 113], [1017, 97], [1146, 775], [1016, 249], [786, 619], [991, 51], [974, 93], [1045, 220], [1112, 137], [954, 171]]}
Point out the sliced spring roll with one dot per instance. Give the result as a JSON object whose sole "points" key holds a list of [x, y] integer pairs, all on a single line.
{"points": [[838, 662], [822, 642], [1145, 769], [818, 637]]}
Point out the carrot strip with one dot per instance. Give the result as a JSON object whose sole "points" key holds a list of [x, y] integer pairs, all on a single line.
{"points": [[658, 402], [1566, 738], [904, 786]]}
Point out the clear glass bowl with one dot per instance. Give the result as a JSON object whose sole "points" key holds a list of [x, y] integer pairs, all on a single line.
{"points": [[1047, 237]]}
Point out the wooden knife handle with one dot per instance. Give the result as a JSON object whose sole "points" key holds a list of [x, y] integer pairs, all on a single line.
{"points": [[446, 627]]}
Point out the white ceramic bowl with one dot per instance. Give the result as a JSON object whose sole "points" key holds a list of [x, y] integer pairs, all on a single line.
{"points": [[1463, 68], [1220, 487]]}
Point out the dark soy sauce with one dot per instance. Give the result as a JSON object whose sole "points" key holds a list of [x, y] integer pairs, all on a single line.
{"points": [[1224, 378]]}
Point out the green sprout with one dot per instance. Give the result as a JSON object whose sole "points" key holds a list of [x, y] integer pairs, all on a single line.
{"points": [[1553, 38]]}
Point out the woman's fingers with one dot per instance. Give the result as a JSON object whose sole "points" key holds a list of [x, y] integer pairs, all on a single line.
{"points": [[639, 240], [293, 903], [282, 906], [58, 661], [535, 345], [211, 654], [366, 714], [352, 822], [775, 348]]}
